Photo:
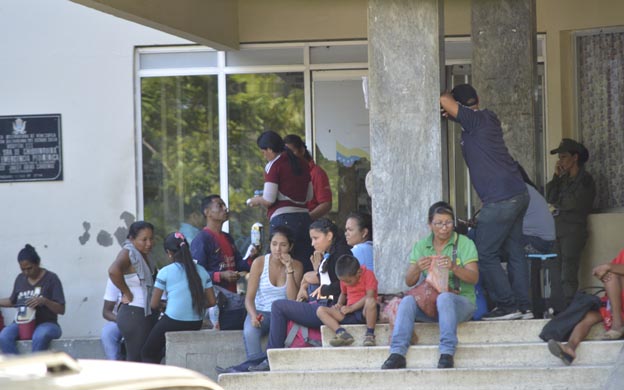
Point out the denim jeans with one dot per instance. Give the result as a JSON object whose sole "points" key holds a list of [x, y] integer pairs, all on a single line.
{"points": [[299, 223], [253, 336], [283, 310], [499, 229], [111, 341], [452, 309], [43, 335]]}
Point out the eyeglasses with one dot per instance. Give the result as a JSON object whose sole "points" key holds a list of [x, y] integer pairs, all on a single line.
{"points": [[442, 224]]}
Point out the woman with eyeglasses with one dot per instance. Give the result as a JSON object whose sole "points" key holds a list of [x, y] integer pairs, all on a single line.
{"points": [[189, 293], [458, 254], [328, 245]]}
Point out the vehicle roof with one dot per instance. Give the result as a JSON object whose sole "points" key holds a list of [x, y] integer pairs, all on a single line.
{"points": [[50, 371]]}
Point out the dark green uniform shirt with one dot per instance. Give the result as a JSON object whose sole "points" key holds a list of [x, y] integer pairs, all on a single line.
{"points": [[573, 198]]}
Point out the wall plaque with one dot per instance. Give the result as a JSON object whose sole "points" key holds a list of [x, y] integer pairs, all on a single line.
{"points": [[30, 148]]}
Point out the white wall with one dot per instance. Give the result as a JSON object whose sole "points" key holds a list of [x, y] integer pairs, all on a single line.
{"points": [[60, 57]]}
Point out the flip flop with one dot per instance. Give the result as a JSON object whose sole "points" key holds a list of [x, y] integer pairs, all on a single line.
{"points": [[612, 334], [555, 348]]}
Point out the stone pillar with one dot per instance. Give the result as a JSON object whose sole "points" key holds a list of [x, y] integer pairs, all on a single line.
{"points": [[405, 55], [504, 70]]}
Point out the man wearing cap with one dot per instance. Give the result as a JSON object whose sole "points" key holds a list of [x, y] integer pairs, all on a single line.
{"points": [[496, 178], [571, 192]]}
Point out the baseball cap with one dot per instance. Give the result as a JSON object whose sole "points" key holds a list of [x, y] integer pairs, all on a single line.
{"points": [[568, 145], [465, 94]]}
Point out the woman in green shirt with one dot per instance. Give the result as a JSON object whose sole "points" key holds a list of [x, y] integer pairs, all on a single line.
{"points": [[454, 306]]}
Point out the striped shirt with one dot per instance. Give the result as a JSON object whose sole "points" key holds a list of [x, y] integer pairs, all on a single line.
{"points": [[268, 293]]}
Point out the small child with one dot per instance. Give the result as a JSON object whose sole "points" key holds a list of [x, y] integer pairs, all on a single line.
{"points": [[358, 289]]}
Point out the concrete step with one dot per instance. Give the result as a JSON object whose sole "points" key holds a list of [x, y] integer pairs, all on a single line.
{"points": [[517, 331], [467, 356], [519, 378], [79, 348]]}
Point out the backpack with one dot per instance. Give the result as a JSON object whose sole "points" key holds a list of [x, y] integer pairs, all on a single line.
{"points": [[299, 336]]}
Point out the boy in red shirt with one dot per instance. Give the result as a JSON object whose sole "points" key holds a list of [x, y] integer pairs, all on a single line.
{"points": [[358, 289]]}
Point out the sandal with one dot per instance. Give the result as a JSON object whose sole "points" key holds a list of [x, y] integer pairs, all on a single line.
{"points": [[555, 348], [613, 334]]}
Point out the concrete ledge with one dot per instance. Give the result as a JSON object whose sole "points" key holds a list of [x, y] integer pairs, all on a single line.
{"points": [[467, 356], [83, 348], [487, 378], [203, 350], [518, 331]]}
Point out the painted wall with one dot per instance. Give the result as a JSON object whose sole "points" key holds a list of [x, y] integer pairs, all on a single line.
{"points": [[66, 58]]}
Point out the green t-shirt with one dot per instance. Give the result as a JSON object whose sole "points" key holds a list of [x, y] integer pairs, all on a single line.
{"points": [[466, 253]]}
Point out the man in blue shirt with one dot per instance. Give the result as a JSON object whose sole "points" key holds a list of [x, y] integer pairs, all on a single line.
{"points": [[496, 178]]}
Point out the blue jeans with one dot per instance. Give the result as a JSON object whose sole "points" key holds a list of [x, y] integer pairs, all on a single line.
{"points": [[253, 336], [283, 310], [452, 309], [43, 335], [499, 229], [111, 341], [299, 223]]}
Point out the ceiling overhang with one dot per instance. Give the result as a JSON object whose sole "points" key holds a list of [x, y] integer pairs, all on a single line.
{"points": [[213, 23]]}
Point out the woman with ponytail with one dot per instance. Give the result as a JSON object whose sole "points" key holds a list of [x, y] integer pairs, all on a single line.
{"points": [[189, 293], [287, 189]]}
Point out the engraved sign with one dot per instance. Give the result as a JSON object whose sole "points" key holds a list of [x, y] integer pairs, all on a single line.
{"points": [[30, 148]]}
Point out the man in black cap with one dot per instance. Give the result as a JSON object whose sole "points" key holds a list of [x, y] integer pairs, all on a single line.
{"points": [[496, 178], [571, 192]]}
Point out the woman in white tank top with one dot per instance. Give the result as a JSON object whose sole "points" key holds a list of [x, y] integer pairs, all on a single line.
{"points": [[273, 276]]}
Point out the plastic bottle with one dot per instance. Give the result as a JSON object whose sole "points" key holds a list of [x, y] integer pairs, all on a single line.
{"points": [[213, 316], [257, 230], [256, 193]]}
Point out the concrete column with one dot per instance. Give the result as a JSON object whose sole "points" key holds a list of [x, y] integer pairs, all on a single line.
{"points": [[504, 70], [405, 48]]}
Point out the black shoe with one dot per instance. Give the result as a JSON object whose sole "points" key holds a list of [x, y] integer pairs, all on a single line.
{"points": [[394, 361], [501, 314], [226, 370], [446, 361], [263, 366]]}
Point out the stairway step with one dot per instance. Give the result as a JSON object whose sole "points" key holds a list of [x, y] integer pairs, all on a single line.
{"points": [[517, 331], [467, 356], [519, 378]]}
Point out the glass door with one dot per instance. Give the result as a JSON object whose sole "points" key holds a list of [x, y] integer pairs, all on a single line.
{"points": [[342, 138]]}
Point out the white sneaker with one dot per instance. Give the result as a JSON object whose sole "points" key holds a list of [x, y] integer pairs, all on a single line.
{"points": [[527, 315]]}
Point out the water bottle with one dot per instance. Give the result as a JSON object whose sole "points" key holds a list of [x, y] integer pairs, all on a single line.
{"points": [[257, 230], [213, 316], [256, 193]]}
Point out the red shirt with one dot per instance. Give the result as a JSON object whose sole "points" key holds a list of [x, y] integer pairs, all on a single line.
{"points": [[619, 259], [354, 293], [320, 185], [227, 254], [289, 185]]}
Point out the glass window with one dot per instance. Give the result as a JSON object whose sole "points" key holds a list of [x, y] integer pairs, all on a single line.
{"points": [[180, 152], [191, 59], [339, 54], [273, 56], [342, 139], [257, 102]]}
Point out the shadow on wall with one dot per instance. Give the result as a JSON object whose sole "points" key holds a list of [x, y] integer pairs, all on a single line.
{"points": [[104, 238]]}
